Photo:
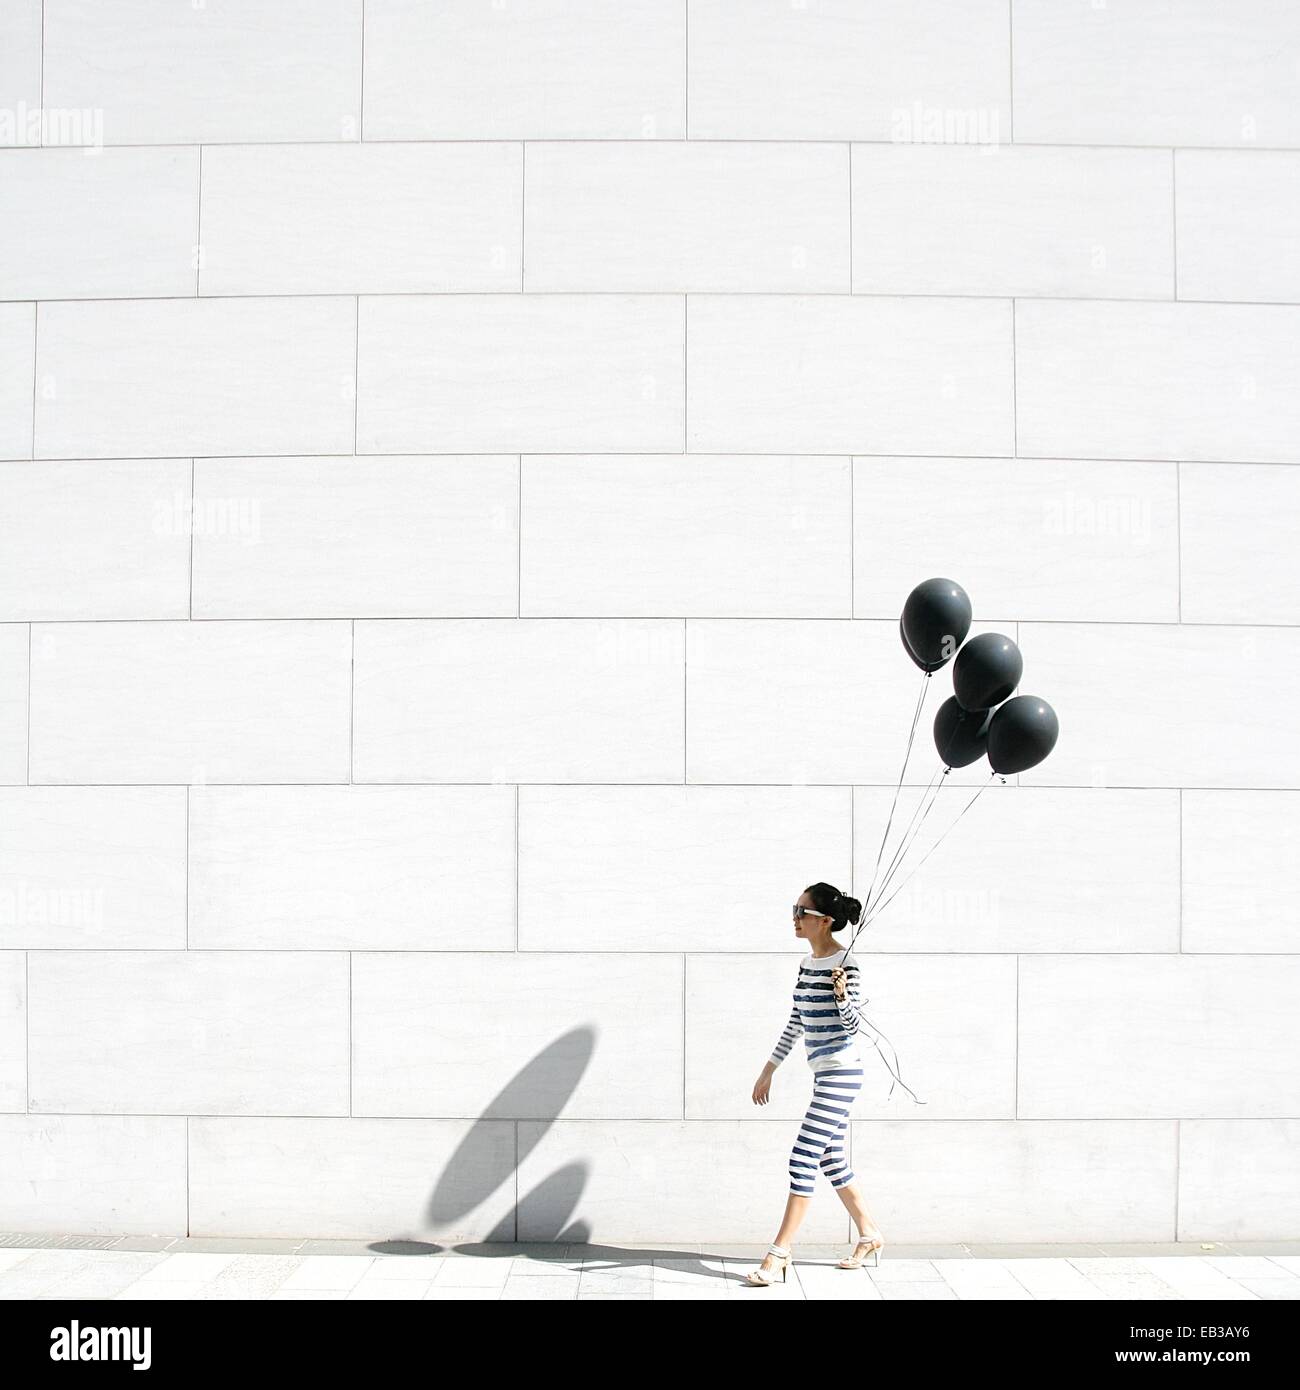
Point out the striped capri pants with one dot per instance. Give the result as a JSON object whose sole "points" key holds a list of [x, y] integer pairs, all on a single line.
{"points": [[820, 1142]]}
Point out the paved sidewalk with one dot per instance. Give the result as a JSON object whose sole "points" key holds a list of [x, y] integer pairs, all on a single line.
{"points": [[60, 1267]]}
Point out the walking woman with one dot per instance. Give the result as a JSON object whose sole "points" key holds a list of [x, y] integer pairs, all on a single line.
{"points": [[826, 1011]]}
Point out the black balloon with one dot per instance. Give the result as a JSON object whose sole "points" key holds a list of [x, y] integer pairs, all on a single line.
{"points": [[1021, 734], [902, 637], [988, 668], [936, 619], [960, 735]]}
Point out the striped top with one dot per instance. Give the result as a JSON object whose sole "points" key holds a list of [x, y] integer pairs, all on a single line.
{"points": [[829, 1026]]}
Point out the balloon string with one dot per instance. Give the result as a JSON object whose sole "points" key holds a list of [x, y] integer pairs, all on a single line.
{"points": [[901, 852], [911, 736], [893, 1070], [880, 907], [908, 841], [904, 843]]}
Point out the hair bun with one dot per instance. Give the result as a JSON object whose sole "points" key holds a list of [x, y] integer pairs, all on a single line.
{"points": [[851, 907]]}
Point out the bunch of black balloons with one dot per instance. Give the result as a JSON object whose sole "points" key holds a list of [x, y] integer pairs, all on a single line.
{"points": [[979, 718]]}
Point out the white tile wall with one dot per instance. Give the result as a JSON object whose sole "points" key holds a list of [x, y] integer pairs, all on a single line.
{"points": [[92, 867], [555, 69], [1240, 871], [1038, 538], [531, 700], [331, 537], [1159, 381], [91, 538], [190, 702], [1237, 523], [1236, 1180], [460, 469], [188, 1032], [992, 219], [20, 73], [832, 374], [155, 72], [1006, 1182], [13, 1030], [668, 216], [802, 702], [189, 376], [317, 868], [143, 203], [579, 1025], [702, 535], [664, 851], [837, 70], [1203, 72], [563, 373], [15, 642], [445, 1180], [96, 1174], [1023, 876], [17, 335], [1124, 683], [1157, 1036], [371, 219], [1238, 225]]}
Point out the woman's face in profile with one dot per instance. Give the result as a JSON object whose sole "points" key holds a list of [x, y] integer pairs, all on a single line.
{"points": [[801, 924]]}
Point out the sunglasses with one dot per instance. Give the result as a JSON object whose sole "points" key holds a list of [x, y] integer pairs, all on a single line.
{"points": [[802, 912]]}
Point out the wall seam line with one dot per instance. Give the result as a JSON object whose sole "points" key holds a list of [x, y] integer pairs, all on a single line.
{"points": [[686, 374], [686, 757], [30, 626], [356, 369], [1178, 1169], [849, 147], [1178, 533], [198, 233], [36, 319], [1173, 195], [1011, 70], [191, 530], [352, 704], [1015, 391]]}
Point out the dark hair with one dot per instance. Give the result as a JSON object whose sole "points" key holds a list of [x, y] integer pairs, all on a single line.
{"points": [[829, 901]]}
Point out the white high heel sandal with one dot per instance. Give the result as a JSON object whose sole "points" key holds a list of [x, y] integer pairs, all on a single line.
{"points": [[869, 1245], [760, 1277]]}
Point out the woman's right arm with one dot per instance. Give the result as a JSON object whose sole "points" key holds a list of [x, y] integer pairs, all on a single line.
{"points": [[791, 1031]]}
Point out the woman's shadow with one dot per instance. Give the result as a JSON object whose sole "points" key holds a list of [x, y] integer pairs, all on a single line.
{"points": [[533, 1099]]}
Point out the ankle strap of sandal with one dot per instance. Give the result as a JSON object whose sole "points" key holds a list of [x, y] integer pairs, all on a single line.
{"points": [[778, 1250]]}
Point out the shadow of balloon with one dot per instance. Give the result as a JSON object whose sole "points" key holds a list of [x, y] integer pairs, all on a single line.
{"points": [[546, 1215], [539, 1091]]}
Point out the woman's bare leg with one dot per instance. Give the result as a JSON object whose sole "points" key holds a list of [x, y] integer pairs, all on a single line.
{"points": [[851, 1196], [796, 1208]]}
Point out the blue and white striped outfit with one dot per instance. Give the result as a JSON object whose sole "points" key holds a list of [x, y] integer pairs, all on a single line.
{"points": [[829, 1026], [830, 1030]]}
